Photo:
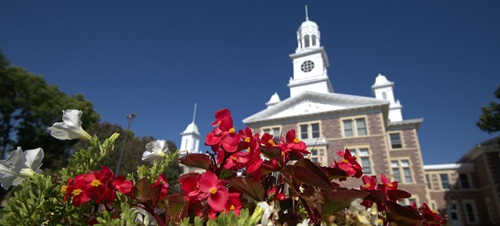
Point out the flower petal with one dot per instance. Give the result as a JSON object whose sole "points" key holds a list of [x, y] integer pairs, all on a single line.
{"points": [[33, 158]]}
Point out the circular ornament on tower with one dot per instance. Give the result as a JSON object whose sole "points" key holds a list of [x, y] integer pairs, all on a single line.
{"points": [[307, 66]]}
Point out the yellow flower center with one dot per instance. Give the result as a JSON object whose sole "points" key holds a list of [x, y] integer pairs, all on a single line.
{"points": [[95, 183], [296, 140], [232, 130], [247, 139], [345, 161], [232, 207], [380, 222], [367, 185], [76, 192], [389, 185], [271, 142], [64, 188], [233, 158], [282, 153], [213, 190]]}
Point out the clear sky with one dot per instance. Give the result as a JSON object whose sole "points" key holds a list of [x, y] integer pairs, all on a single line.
{"points": [[158, 58]]}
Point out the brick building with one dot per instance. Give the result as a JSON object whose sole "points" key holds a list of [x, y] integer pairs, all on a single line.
{"points": [[373, 128], [469, 190]]}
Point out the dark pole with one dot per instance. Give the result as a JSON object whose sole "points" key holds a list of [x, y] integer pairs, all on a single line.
{"points": [[130, 118]]}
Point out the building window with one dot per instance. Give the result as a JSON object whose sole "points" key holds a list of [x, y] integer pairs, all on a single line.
{"points": [[406, 202], [445, 182], [384, 95], [275, 131], [395, 140], [306, 40], [318, 155], [470, 212], [453, 211], [309, 131], [363, 157], [401, 171], [464, 181], [428, 181], [313, 40], [356, 127]]}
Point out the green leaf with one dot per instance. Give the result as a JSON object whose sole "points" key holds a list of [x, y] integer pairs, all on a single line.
{"points": [[196, 160], [248, 186], [309, 173]]}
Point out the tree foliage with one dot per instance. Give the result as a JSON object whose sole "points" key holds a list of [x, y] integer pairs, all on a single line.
{"points": [[132, 152], [28, 105], [489, 121]]}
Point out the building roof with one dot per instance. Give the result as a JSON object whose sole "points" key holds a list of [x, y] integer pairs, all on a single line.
{"points": [[311, 103]]}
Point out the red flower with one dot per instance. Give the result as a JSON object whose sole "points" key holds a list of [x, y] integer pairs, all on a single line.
{"points": [[294, 144], [124, 186], [162, 182], [220, 115], [348, 164], [189, 185], [76, 189], [370, 183], [213, 189], [431, 217], [234, 203], [236, 161], [387, 184]]}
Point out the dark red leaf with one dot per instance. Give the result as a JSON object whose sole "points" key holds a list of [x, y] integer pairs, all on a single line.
{"points": [[176, 208], [338, 200], [248, 186], [376, 196], [196, 160], [142, 191], [270, 153], [395, 195], [403, 215], [309, 173], [335, 173]]}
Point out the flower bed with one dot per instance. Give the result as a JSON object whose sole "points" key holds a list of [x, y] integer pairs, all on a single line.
{"points": [[248, 179]]}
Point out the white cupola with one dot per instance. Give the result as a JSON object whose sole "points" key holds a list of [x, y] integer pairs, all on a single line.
{"points": [[308, 35], [310, 62], [382, 89], [191, 137]]}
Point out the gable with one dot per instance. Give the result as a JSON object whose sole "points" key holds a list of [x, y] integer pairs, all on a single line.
{"points": [[310, 103]]}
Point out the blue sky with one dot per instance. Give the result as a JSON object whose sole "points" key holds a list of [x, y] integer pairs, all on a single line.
{"points": [[158, 58]]}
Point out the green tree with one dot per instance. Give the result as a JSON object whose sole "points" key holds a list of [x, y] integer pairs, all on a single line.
{"points": [[489, 121], [132, 152], [28, 105]]}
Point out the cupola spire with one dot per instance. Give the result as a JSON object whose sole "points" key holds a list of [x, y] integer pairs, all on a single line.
{"points": [[307, 15]]}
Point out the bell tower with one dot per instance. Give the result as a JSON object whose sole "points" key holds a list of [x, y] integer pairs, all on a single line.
{"points": [[310, 61]]}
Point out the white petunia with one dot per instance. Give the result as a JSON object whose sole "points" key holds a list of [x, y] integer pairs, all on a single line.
{"points": [[20, 165], [70, 128], [155, 150]]}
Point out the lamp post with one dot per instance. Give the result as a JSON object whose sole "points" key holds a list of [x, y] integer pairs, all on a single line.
{"points": [[130, 118]]}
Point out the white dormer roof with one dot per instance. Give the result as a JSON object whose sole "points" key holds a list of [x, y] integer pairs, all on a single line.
{"points": [[381, 81], [275, 98]]}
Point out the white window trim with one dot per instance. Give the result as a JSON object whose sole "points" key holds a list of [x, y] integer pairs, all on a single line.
{"points": [[400, 140], [323, 160], [354, 126], [441, 182], [309, 130], [401, 171]]}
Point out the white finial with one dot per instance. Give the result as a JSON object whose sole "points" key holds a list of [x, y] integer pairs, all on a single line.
{"points": [[307, 16], [194, 113]]}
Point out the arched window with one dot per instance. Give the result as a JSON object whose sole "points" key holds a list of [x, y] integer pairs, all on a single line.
{"points": [[306, 41], [384, 95], [313, 40]]}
